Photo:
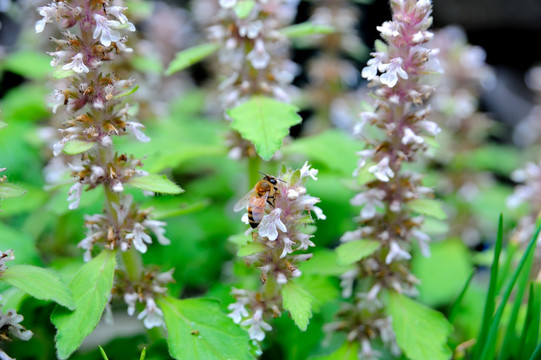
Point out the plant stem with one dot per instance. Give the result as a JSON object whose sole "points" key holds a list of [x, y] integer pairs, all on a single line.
{"points": [[133, 264]]}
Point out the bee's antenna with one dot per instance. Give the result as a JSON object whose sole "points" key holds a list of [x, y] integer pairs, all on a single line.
{"points": [[262, 173]]}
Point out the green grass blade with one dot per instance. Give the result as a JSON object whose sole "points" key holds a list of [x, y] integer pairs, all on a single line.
{"points": [[103, 354], [505, 269], [537, 353], [143, 354], [491, 294], [530, 332], [488, 344], [511, 339], [458, 301]]}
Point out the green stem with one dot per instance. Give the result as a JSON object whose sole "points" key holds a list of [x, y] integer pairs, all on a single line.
{"points": [[133, 264], [271, 287]]}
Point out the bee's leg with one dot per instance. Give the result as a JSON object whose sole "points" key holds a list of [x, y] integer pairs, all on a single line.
{"points": [[271, 203]]}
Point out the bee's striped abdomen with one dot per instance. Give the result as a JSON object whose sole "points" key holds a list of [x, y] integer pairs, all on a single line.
{"points": [[251, 220]]}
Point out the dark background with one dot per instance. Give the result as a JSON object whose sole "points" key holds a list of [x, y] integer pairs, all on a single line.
{"points": [[508, 30]]}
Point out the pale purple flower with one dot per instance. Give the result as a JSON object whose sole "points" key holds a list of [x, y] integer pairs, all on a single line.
{"points": [[49, 14], [259, 57], [77, 64], [152, 315], [131, 300], [257, 325], [117, 11], [382, 171], [251, 30], [134, 129], [364, 155], [369, 200], [74, 195], [396, 253], [11, 322], [392, 71], [105, 30], [319, 213], [370, 71], [228, 4], [306, 171], [270, 224], [287, 247], [410, 137], [389, 29], [423, 240], [157, 227], [430, 127], [139, 237]]}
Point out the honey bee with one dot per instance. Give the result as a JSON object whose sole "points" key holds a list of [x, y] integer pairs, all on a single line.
{"points": [[264, 192]]}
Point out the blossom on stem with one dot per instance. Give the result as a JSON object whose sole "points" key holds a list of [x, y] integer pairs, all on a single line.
{"points": [[281, 235], [401, 115]]}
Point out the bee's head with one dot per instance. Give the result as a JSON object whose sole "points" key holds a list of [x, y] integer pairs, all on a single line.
{"points": [[271, 179]]}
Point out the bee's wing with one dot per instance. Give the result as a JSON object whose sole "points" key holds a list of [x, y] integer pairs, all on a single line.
{"points": [[243, 203], [258, 207]]}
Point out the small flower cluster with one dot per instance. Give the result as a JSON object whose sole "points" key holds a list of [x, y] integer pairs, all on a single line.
{"points": [[281, 233], [397, 69], [528, 131], [10, 326], [81, 57], [254, 54], [92, 100], [128, 228], [528, 189], [151, 284], [527, 192], [330, 72], [456, 109]]}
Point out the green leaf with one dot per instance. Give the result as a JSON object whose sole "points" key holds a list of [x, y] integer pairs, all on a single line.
{"points": [[324, 262], [74, 147], [143, 354], [348, 351], [353, 251], [23, 246], [306, 28], [91, 289], [28, 64], [443, 273], [40, 283], [191, 56], [380, 46], [243, 8], [491, 293], [334, 148], [250, 249], [59, 73], [265, 122], [24, 103], [489, 345], [298, 302], [128, 92], [530, 331], [510, 333], [429, 207], [103, 354], [156, 183], [198, 330], [8, 190], [2, 124], [420, 332]]}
